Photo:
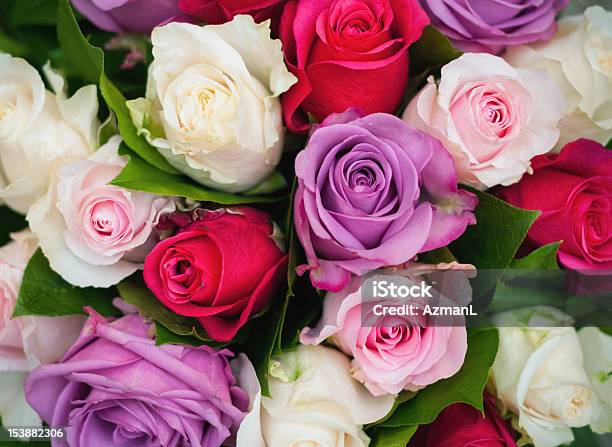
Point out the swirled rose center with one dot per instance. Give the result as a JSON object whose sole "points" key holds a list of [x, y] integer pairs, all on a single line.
{"points": [[493, 113], [364, 23], [489, 115], [6, 108], [180, 275], [105, 219], [596, 227], [200, 102]]}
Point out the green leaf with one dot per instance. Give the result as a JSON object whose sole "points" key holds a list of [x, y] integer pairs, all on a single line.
{"points": [[531, 281], [33, 12], [80, 54], [466, 386], [141, 176], [134, 291], [584, 437], [432, 50], [271, 183], [269, 327], [12, 46], [439, 255], [544, 258], [499, 232], [44, 292], [88, 61], [138, 143], [166, 336], [10, 222], [393, 436]]}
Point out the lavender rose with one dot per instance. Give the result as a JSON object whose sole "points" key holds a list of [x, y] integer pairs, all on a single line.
{"points": [[115, 387], [128, 16], [488, 26], [373, 192]]}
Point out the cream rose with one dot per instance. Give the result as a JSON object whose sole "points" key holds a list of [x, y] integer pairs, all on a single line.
{"points": [[314, 402], [212, 106], [39, 130], [539, 376], [25, 342], [579, 59], [491, 117], [597, 351], [93, 233]]}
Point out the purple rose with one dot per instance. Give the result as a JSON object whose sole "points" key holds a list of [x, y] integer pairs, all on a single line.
{"points": [[491, 25], [374, 192], [129, 16], [115, 387]]}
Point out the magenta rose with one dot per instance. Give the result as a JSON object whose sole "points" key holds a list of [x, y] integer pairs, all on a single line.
{"points": [[221, 11], [221, 269], [373, 192], [116, 387], [491, 25], [573, 190], [392, 353], [461, 425], [347, 53], [128, 16]]}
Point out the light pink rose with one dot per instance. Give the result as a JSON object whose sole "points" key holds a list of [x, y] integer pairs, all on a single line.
{"points": [[93, 233], [392, 353], [25, 342], [491, 117]]}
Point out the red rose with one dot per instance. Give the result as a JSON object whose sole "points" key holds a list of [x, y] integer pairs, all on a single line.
{"points": [[461, 425], [221, 11], [574, 192], [221, 269], [347, 53]]}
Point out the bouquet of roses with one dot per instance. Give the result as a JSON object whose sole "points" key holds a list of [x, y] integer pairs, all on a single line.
{"points": [[305, 223]]}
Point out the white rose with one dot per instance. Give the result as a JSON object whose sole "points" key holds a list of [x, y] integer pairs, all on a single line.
{"points": [[579, 59], [212, 106], [93, 233], [315, 401], [538, 374], [25, 342], [491, 117], [597, 351], [38, 131]]}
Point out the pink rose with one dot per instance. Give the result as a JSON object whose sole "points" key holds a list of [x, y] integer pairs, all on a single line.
{"points": [[93, 233], [492, 118], [392, 353], [25, 342]]}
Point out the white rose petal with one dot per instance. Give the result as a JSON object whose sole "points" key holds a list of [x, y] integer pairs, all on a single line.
{"points": [[314, 402], [579, 59], [39, 131], [212, 106], [597, 350], [538, 374]]}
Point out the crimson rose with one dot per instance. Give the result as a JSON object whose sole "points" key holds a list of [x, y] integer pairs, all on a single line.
{"points": [[573, 189], [347, 53], [221, 269]]}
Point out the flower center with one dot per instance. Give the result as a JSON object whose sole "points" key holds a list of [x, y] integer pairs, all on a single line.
{"points": [[362, 179], [6, 108], [104, 219], [596, 227], [200, 103], [496, 111]]}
